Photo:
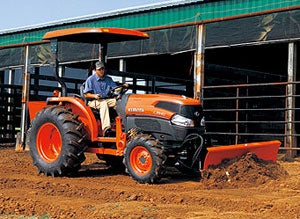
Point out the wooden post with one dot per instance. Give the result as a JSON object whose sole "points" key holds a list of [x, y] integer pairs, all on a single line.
{"points": [[199, 61], [20, 141], [290, 101], [122, 68], [102, 53]]}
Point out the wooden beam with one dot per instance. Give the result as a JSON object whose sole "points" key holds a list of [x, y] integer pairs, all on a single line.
{"points": [[199, 61]]}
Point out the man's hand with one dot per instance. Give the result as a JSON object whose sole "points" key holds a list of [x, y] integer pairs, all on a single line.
{"points": [[97, 96]]}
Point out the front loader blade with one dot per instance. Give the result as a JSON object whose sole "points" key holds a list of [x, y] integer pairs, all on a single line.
{"points": [[266, 150]]}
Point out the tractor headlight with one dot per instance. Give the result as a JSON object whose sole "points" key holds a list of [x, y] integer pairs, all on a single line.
{"points": [[182, 121]]}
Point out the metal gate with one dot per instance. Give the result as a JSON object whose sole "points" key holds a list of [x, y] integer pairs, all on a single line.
{"points": [[252, 112], [10, 112]]}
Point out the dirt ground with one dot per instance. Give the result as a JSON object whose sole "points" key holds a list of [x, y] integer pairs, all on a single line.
{"points": [[245, 188]]}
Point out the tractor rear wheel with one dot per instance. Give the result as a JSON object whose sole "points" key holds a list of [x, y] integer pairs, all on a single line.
{"points": [[144, 159], [56, 141]]}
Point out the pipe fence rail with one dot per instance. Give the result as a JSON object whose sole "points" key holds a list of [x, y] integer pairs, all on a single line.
{"points": [[253, 112], [234, 113]]}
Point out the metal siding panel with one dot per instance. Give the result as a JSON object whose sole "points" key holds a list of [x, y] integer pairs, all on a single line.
{"points": [[178, 14]]}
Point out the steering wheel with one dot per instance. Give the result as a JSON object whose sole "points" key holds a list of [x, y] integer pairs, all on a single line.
{"points": [[117, 91]]}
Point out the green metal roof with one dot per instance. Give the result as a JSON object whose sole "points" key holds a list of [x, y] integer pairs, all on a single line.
{"points": [[156, 16]]}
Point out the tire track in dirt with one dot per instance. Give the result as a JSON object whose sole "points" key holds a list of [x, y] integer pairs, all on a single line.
{"points": [[97, 192]]}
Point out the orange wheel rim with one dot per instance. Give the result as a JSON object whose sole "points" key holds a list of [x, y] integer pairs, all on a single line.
{"points": [[49, 142], [140, 160]]}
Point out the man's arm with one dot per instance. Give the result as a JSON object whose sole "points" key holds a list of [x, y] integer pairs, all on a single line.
{"points": [[92, 96], [114, 85], [88, 90]]}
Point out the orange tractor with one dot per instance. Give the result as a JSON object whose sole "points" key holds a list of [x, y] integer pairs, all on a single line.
{"points": [[149, 132]]}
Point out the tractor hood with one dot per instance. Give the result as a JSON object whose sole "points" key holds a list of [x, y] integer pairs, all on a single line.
{"points": [[163, 106]]}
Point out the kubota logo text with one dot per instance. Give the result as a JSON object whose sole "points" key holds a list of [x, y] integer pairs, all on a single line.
{"points": [[136, 110]]}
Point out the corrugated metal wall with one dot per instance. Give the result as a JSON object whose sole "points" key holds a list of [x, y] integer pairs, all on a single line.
{"points": [[159, 17]]}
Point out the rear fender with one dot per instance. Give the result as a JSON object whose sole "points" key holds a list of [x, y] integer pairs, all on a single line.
{"points": [[266, 150], [34, 107], [78, 107]]}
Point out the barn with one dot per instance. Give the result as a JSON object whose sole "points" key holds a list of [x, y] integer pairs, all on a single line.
{"points": [[238, 56]]}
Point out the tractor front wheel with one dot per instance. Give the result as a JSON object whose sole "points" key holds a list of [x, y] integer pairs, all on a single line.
{"points": [[55, 140], [144, 159]]}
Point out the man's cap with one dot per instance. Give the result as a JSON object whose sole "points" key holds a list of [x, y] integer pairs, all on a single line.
{"points": [[99, 65]]}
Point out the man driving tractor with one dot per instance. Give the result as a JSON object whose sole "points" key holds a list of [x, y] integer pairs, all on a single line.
{"points": [[97, 89]]}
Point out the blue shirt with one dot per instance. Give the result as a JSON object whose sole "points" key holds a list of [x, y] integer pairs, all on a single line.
{"points": [[96, 85]]}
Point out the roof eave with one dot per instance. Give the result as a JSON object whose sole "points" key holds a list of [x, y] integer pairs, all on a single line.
{"points": [[112, 13]]}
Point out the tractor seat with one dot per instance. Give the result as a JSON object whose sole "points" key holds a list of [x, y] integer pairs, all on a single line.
{"points": [[95, 111], [112, 112]]}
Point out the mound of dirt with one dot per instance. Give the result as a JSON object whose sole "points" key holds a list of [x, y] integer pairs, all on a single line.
{"points": [[242, 172]]}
